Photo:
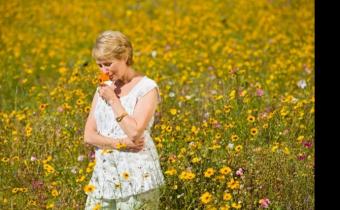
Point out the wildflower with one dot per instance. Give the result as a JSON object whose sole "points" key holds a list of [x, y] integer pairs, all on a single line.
{"points": [[259, 92], [238, 148], [232, 184], [225, 170], [264, 203], [236, 205], [102, 78], [227, 196], [171, 172], [251, 118], [89, 188], [55, 193], [126, 175], [254, 131], [173, 111], [302, 84], [239, 172], [234, 137], [209, 172], [206, 197]]}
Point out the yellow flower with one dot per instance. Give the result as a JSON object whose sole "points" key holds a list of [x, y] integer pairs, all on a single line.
{"points": [[196, 160], [225, 170], [48, 168], [226, 207], [55, 193], [251, 118], [209, 172], [87, 109], [232, 184], [89, 188], [15, 190], [173, 111], [117, 185], [97, 207], [253, 131], [234, 137], [227, 108], [236, 205], [187, 175], [171, 172], [169, 128], [227, 196], [42, 106], [125, 175], [50, 206], [300, 138], [206, 197], [238, 148]]}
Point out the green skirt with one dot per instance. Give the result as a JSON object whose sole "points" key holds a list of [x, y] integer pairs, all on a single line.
{"points": [[143, 201]]}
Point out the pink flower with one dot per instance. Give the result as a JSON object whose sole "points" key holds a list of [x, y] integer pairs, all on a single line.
{"points": [[37, 184], [264, 203], [33, 158], [239, 172], [301, 157], [307, 144], [259, 92]]}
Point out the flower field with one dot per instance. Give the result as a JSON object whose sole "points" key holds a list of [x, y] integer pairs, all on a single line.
{"points": [[235, 129]]}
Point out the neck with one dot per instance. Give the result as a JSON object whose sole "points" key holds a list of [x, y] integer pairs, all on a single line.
{"points": [[129, 75]]}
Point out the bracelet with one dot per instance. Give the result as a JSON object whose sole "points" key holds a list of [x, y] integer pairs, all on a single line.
{"points": [[120, 118]]}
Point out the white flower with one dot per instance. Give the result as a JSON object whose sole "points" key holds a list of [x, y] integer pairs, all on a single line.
{"points": [[302, 84], [74, 170], [81, 157], [154, 53], [33, 158], [230, 145], [171, 94]]}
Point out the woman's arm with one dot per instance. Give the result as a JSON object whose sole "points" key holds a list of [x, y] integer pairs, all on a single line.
{"points": [[91, 135], [104, 142], [134, 125]]}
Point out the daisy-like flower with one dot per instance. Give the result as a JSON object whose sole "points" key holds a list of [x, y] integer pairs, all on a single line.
{"points": [[302, 84], [102, 78], [238, 148], [55, 193], [234, 137], [227, 196], [264, 203], [236, 205], [125, 175], [89, 188], [254, 131], [43, 106], [225, 170], [206, 198], [173, 111], [209, 172], [251, 118]]}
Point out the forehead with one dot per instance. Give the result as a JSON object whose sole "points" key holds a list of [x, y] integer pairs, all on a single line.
{"points": [[99, 61]]}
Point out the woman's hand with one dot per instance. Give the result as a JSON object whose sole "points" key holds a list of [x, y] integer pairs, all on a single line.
{"points": [[134, 145], [107, 92]]}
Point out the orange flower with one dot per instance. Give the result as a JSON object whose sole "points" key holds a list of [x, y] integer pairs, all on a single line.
{"points": [[103, 77]]}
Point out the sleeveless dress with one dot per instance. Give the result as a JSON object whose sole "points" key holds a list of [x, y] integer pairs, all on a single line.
{"points": [[120, 174]]}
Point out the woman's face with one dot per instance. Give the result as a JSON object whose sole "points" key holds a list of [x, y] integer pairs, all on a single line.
{"points": [[113, 68]]}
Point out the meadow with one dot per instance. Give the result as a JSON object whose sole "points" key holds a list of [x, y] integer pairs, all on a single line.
{"points": [[235, 129]]}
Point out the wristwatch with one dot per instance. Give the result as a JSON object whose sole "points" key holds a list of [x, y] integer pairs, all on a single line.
{"points": [[120, 118]]}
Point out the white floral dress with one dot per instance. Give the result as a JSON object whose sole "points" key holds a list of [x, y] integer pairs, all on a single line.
{"points": [[119, 174]]}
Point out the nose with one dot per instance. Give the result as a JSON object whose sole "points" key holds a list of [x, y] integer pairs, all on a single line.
{"points": [[104, 70]]}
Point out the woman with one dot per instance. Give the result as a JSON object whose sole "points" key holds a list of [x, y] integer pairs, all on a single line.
{"points": [[127, 173]]}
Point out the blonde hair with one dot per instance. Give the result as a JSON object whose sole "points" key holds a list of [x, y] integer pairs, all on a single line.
{"points": [[113, 44]]}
